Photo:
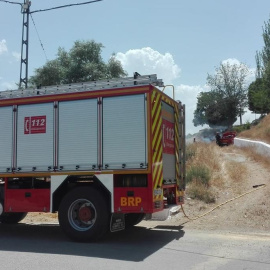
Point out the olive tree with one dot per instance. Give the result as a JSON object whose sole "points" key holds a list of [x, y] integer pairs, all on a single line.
{"points": [[83, 62]]}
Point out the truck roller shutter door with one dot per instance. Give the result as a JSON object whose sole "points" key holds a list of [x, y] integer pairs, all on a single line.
{"points": [[124, 132], [6, 138], [78, 134], [35, 137], [168, 141]]}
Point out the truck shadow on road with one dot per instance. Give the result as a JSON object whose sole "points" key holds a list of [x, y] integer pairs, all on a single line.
{"points": [[134, 244]]}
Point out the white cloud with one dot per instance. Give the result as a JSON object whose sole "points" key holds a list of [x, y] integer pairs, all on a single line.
{"points": [[7, 86], [187, 94], [3, 46], [252, 71], [251, 76], [231, 61], [149, 61], [16, 55]]}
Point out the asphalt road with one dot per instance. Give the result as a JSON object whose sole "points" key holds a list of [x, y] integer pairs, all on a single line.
{"points": [[40, 247]]}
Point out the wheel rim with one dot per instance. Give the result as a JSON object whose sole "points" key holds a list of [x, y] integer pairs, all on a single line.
{"points": [[82, 215]]}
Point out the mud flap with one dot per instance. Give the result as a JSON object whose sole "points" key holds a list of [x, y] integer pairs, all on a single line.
{"points": [[117, 222]]}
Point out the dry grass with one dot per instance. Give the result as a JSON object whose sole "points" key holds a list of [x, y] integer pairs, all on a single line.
{"points": [[209, 172], [236, 171], [204, 154], [236, 175], [197, 190], [41, 218], [255, 156], [259, 132], [203, 170]]}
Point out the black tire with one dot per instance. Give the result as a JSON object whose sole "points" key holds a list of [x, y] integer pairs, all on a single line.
{"points": [[10, 218], [133, 219], [84, 214]]}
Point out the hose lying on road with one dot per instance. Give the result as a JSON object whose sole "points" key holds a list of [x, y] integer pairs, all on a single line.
{"points": [[256, 187]]}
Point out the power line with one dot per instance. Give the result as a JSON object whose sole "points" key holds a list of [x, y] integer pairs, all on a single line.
{"points": [[25, 6], [41, 44], [70, 5], [10, 2]]}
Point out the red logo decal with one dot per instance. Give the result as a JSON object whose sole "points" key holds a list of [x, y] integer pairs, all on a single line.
{"points": [[35, 124], [168, 137]]}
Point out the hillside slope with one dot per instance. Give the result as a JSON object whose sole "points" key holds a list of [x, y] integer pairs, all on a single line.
{"points": [[259, 132], [239, 171]]}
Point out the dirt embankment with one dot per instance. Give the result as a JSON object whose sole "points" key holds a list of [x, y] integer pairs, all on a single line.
{"points": [[247, 214], [259, 132]]}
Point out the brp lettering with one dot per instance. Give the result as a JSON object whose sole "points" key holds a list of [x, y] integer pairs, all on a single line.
{"points": [[130, 201]]}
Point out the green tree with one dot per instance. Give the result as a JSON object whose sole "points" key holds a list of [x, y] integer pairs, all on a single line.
{"points": [[82, 63], [229, 80], [214, 109], [259, 90], [227, 97], [259, 67], [258, 97], [265, 53], [265, 99]]}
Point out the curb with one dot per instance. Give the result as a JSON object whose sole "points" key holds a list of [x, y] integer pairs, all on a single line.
{"points": [[260, 147]]}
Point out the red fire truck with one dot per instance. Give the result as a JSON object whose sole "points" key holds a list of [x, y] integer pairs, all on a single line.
{"points": [[102, 154]]}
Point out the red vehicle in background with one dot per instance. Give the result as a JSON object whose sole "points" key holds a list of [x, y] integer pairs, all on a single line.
{"points": [[226, 138]]}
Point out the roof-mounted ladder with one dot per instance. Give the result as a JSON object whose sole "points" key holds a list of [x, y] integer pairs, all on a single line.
{"points": [[85, 86]]}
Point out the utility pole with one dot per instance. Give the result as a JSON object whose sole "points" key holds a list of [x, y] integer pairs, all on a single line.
{"points": [[25, 43], [25, 10]]}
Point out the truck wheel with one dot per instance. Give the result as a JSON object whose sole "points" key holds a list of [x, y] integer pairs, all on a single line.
{"points": [[84, 214], [10, 218], [133, 219]]}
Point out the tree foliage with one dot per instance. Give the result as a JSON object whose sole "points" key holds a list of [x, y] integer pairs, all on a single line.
{"points": [[82, 63], [259, 90], [214, 109], [265, 54], [226, 99], [258, 97]]}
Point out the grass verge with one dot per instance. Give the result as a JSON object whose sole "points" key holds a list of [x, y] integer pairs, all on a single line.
{"points": [[202, 163]]}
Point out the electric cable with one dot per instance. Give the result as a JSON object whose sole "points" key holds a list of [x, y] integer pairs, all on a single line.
{"points": [[10, 2], [70, 5], [25, 6], [41, 44]]}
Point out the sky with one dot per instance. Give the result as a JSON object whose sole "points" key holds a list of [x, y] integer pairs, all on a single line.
{"points": [[181, 41]]}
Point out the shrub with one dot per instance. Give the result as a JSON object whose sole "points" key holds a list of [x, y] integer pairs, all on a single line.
{"points": [[243, 127], [190, 151], [199, 174], [201, 192], [203, 163]]}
